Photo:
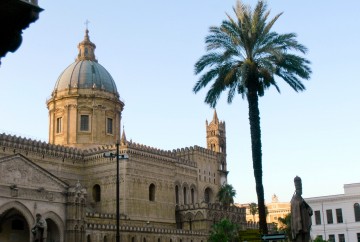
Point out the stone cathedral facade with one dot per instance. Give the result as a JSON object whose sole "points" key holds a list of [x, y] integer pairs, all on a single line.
{"points": [[167, 196]]}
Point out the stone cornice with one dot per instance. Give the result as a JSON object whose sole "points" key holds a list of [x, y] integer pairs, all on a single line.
{"points": [[340, 197]]}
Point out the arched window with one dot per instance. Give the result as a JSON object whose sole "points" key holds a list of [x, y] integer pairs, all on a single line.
{"points": [[207, 195], [144, 239], [105, 238], [152, 192], [357, 212], [159, 240], [88, 238], [177, 194], [96, 191], [133, 239], [185, 198], [192, 196]]}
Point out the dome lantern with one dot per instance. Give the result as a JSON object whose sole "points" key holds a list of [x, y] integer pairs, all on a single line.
{"points": [[86, 49]]}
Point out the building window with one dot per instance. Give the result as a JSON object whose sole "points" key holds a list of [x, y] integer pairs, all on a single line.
{"points": [[207, 195], [185, 198], [329, 216], [105, 239], [152, 192], [357, 212], [58, 125], [317, 217], [88, 238], [358, 237], [339, 217], [192, 196], [341, 238], [84, 123], [331, 238], [109, 125], [177, 194], [96, 193]]}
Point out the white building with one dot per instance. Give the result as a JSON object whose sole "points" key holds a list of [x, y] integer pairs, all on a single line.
{"points": [[337, 217]]}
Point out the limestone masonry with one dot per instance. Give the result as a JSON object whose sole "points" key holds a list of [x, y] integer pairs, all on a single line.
{"points": [[164, 195]]}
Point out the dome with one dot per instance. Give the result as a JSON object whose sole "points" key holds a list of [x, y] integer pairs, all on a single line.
{"points": [[86, 72]]}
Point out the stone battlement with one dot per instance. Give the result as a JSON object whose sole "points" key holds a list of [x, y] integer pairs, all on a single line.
{"points": [[42, 148]]}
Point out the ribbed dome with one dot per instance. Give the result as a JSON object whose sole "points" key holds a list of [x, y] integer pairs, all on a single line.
{"points": [[86, 74]]}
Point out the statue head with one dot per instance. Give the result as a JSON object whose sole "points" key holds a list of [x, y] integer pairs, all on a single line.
{"points": [[298, 185], [38, 216]]}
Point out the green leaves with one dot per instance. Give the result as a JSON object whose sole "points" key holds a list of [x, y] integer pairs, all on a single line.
{"points": [[223, 231], [226, 195], [247, 40]]}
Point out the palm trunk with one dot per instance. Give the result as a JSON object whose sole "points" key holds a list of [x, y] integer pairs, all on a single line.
{"points": [[255, 131]]}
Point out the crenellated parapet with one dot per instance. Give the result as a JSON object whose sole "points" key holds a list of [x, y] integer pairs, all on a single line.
{"points": [[162, 155], [211, 206], [192, 150], [203, 215], [17, 144]]}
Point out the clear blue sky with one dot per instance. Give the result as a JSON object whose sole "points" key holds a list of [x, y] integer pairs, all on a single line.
{"points": [[150, 48]]}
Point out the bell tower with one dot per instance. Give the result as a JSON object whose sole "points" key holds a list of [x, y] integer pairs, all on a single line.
{"points": [[216, 135]]}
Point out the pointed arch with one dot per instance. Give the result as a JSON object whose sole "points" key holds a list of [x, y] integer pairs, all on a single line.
{"points": [[56, 219], [96, 192], [208, 195], [21, 208], [199, 216], [152, 190]]}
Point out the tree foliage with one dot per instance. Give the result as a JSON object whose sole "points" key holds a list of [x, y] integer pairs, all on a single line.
{"points": [[243, 57], [253, 209], [226, 195], [224, 231], [285, 225]]}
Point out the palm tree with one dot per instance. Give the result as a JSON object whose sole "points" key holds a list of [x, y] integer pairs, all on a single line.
{"points": [[226, 195], [253, 209], [244, 56], [285, 225], [224, 231]]}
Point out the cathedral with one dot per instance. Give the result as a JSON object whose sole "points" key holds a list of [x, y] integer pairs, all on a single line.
{"points": [[165, 195]]}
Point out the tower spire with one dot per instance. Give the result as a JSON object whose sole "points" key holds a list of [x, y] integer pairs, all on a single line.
{"points": [[215, 117], [86, 47], [123, 140]]}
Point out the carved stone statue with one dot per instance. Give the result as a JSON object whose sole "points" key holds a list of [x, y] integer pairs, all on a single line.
{"points": [[301, 214], [39, 229]]}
